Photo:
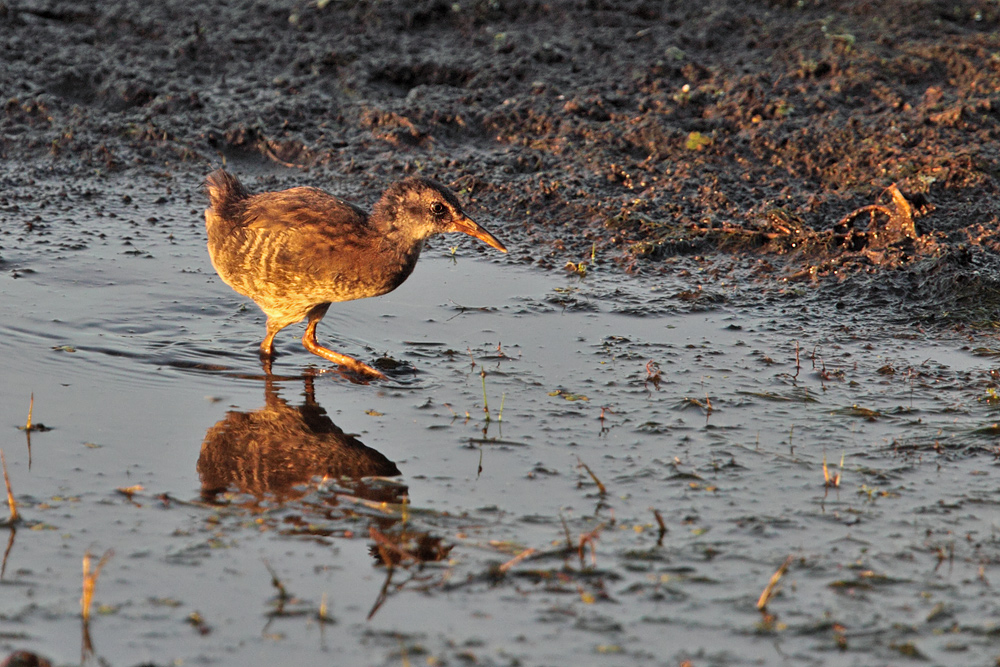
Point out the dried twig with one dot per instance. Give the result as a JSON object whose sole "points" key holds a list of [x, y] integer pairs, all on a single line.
{"points": [[663, 526], [516, 559], [590, 538], [569, 538], [768, 591], [276, 582], [590, 472], [486, 404]]}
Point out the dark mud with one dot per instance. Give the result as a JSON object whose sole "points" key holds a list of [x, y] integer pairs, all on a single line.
{"points": [[732, 135]]}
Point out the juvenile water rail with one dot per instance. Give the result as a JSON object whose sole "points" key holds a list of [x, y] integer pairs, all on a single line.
{"points": [[296, 251]]}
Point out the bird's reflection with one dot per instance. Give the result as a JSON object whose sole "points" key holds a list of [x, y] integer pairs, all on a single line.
{"points": [[274, 452]]}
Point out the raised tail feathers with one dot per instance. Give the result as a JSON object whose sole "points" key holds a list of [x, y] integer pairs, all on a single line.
{"points": [[226, 194]]}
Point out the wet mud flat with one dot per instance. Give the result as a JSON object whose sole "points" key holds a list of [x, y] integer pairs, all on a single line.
{"points": [[642, 129], [589, 468], [721, 342]]}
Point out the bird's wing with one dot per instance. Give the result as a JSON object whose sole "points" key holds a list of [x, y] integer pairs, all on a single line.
{"points": [[305, 211]]}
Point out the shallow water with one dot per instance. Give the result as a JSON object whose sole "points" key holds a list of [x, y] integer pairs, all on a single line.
{"points": [[135, 352]]}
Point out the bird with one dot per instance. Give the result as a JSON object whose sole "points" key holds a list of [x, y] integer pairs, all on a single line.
{"points": [[296, 251]]}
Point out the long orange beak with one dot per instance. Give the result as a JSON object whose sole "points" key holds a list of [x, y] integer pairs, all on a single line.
{"points": [[467, 225]]}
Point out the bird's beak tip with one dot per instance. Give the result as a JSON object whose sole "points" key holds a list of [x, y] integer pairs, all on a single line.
{"points": [[475, 230]]}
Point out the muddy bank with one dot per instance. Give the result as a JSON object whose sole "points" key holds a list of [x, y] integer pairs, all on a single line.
{"points": [[631, 131]]}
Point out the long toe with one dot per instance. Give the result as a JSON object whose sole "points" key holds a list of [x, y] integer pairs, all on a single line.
{"points": [[347, 362], [365, 370]]}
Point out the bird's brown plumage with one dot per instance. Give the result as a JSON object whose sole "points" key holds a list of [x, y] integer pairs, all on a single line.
{"points": [[296, 251]]}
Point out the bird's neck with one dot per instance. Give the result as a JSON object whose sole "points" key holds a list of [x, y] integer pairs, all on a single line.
{"points": [[399, 254]]}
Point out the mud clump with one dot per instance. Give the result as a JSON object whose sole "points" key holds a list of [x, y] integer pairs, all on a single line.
{"points": [[643, 131]]}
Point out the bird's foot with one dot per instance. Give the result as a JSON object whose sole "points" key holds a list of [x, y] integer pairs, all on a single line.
{"points": [[363, 369], [349, 363]]}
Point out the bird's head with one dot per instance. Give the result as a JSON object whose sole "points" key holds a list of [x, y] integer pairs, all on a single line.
{"points": [[420, 207]]}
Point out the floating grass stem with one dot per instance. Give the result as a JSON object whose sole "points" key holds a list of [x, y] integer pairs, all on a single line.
{"points": [[591, 540], [283, 594], [486, 405], [590, 472], [663, 526], [323, 615], [516, 559], [30, 425], [90, 581], [768, 591], [834, 479]]}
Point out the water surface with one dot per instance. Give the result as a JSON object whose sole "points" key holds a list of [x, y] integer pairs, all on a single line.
{"points": [[136, 354]]}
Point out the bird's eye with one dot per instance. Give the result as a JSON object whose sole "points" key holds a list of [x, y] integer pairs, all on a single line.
{"points": [[438, 209]]}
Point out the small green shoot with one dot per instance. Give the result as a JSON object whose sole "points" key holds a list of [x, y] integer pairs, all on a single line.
{"points": [[991, 397], [697, 141]]}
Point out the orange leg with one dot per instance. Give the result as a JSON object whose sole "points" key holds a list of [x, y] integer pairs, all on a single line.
{"points": [[274, 325], [309, 341]]}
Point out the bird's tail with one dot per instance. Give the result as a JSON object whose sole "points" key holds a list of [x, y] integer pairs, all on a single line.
{"points": [[226, 193]]}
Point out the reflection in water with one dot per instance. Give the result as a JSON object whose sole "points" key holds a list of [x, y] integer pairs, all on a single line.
{"points": [[277, 450]]}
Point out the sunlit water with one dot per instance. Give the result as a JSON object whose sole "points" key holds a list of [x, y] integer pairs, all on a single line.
{"points": [[134, 350]]}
